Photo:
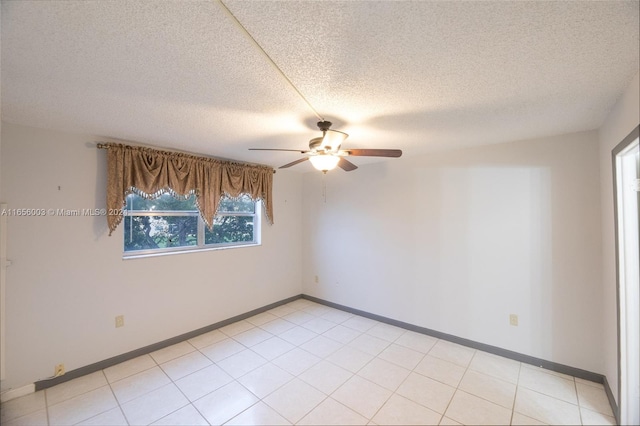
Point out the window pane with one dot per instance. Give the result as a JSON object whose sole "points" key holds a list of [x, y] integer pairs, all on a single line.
{"points": [[243, 204], [164, 202], [156, 232], [230, 229]]}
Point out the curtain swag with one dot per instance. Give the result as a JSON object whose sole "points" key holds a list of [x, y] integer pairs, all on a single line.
{"points": [[151, 173]]}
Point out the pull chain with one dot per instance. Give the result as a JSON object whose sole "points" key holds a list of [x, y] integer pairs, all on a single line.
{"points": [[324, 186]]}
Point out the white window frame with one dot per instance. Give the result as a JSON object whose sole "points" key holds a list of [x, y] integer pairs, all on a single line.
{"points": [[200, 246]]}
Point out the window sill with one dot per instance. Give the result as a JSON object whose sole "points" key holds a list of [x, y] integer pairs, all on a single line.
{"points": [[127, 256]]}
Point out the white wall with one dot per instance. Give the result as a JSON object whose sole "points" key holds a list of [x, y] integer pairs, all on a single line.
{"points": [[457, 241], [623, 118], [68, 280]]}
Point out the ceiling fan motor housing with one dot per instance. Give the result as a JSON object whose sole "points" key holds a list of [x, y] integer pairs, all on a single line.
{"points": [[324, 125]]}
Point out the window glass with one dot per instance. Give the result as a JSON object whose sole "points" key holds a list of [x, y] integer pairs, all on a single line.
{"points": [[167, 224]]}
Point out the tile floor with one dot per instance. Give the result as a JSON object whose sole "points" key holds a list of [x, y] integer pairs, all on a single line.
{"points": [[305, 363]]}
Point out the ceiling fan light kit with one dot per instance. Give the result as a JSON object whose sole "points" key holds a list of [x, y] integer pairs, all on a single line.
{"points": [[324, 162], [324, 152]]}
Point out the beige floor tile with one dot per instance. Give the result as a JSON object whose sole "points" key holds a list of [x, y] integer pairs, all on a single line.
{"points": [[589, 383], [222, 349], [296, 361], [427, 392], [331, 412], [490, 388], [362, 396], [299, 304], [82, 407], [594, 399], [154, 405], [113, 417], [452, 352], [319, 325], [294, 400], [281, 310], [545, 370], [258, 414], [20, 407], [241, 363], [386, 332], [236, 328], [447, 421], [471, 410], [384, 373], [36, 418], [261, 318], [265, 379], [185, 365], [402, 356], [350, 358], [185, 416], [594, 418], [522, 420], [369, 344], [207, 339], [545, 408], [277, 326], [342, 334], [401, 411], [337, 316], [170, 352], [317, 310], [359, 323], [440, 370], [75, 387], [225, 403], [139, 384], [417, 341], [202, 382], [129, 368], [326, 376], [298, 317], [321, 346], [298, 335], [252, 337], [272, 348], [548, 384], [496, 366]]}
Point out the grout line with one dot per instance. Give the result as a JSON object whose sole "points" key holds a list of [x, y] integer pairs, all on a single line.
{"points": [[46, 406], [515, 395]]}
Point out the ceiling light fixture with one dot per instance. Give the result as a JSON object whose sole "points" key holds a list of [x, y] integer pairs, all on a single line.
{"points": [[324, 162]]}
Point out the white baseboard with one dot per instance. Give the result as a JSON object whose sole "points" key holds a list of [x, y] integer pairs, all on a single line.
{"points": [[17, 393]]}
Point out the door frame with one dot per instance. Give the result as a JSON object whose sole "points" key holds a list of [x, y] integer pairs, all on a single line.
{"points": [[628, 140]]}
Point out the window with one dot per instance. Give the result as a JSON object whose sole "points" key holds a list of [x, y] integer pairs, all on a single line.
{"points": [[171, 224]]}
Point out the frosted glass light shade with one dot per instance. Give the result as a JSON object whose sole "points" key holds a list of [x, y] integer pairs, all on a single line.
{"points": [[333, 139], [324, 163]]}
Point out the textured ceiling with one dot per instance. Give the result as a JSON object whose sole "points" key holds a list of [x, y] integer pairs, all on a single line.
{"points": [[418, 76]]}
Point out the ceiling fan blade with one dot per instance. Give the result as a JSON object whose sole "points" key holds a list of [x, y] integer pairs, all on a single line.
{"points": [[395, 153], [278, 149], [293, 163], [346, 165]]}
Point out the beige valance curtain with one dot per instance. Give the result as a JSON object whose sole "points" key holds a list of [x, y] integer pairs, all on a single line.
{"points": [[151, 172]]}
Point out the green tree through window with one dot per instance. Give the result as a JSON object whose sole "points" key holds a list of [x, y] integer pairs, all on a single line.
{"points": [[167, 224]]}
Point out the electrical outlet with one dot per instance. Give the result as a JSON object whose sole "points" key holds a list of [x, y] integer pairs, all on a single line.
{"points": [[120, 321], [59, 371], [513, 319], [317, 280]]}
